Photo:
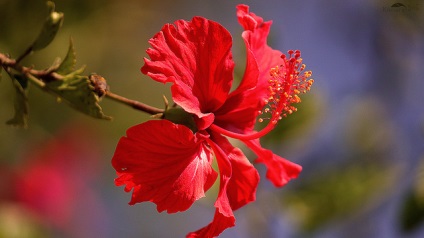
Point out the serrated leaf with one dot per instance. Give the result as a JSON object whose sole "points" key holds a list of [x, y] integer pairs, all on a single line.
{"points": [[20, 118], [68, 63], [76, 90], [50, 28]]}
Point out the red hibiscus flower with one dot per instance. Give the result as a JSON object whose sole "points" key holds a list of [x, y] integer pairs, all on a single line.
{"points": [[168, 162]]}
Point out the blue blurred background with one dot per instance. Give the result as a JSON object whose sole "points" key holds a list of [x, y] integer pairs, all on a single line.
{"points": [[358, 134]]}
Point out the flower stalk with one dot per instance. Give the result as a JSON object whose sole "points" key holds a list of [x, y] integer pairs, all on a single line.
{"points": [[134, 104]]}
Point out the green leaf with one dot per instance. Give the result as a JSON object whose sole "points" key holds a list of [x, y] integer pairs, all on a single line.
{"points": [[20, 118], [68, 64], [50, 28], [77, 91]]}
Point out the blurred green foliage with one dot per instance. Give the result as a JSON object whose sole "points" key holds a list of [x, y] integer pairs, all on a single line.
{"points": [[411, 214], [297, 124], [360, 181], [344, 191]]}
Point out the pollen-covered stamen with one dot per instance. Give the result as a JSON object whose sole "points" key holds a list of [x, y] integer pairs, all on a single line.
{"points": [[287, 81]]}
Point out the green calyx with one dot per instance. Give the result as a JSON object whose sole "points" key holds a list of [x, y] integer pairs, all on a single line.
{"points": [[181, 117]]}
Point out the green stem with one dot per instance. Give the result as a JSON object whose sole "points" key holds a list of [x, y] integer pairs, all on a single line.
{"points": [[35, 81]]}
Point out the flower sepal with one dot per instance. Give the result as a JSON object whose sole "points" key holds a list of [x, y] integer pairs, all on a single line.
{"points": [[179, 116]]}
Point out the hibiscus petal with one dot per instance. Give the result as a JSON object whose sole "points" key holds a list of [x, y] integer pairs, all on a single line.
{"points": [[244, 103], [256, 34], [224, 217], [164, 163], [216, 227], [241, 107], [238, 183], [195, 56], [244, 179], [280, 171]]}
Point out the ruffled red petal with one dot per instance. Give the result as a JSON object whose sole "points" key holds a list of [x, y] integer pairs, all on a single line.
{"points": [[241, 188], [279, 170], [196, 57], [216, 227], [256, 33], [239, 112], [164, 163], [224, 217], [238, 183]]}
